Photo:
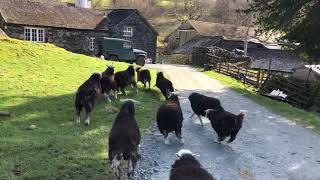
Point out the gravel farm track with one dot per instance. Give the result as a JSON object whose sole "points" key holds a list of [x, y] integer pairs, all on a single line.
{"points": [[268, 147]]}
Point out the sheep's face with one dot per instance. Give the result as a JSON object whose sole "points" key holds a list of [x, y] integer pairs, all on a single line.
{"points": [[96, 77], [109, 70], [184, 151], [173, 97], [160, 75], [208, 111], [130, 70], [128, 107], [138, 69]]}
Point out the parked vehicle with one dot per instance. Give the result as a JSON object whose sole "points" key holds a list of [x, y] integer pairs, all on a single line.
{"points": [[121, 50]]}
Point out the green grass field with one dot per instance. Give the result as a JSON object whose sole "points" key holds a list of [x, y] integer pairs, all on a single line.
{"points": [[308, 119], [37, 85]]}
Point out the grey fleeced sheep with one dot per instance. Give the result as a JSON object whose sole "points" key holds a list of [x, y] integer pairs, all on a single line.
{"points": [[126, 78], [87, 96], [164, 85], [124, 140], [187, 167], [143, 76], [170, 117]]}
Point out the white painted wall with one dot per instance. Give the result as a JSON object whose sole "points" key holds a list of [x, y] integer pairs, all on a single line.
{"points": [[83, 3]]}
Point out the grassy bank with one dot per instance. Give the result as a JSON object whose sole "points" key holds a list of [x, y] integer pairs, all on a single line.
{"points": [[37, 85], [308, 119]]}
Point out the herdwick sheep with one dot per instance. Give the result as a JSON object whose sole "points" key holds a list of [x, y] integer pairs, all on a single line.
{"points": [[225, 123], [164, 85], [143, 76], [200, 103], [187, 167], [126, 78], [108, 84], [87, 96], [124, 140], [170, 117]]}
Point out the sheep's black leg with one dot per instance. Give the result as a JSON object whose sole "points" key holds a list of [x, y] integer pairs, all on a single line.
{"points": [[134, 84], [149, 83], [78, 111], [200, 120], [106, 95], [123, 91], [221, 138], [166, 140], [144, 83], [233, 137], [130, 172], [178, 134], [88, 114]]}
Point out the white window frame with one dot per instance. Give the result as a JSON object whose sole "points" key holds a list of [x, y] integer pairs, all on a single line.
{"points": [[91, 44], [34, 34], [127, 31]]}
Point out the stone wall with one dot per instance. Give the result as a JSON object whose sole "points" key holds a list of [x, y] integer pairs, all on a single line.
{"points": [[77, 41], [143, 37]]}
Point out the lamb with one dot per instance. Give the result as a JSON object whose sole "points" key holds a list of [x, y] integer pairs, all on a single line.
{"points": [[108, 84], [187, 167], [164, 85], [126, 78], [170, 117], [225, 123], [200, 103], [144, 76], [87, 96], [124, 140]]}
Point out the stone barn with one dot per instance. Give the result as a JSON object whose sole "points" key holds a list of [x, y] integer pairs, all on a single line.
{"points": [[75, 27]]}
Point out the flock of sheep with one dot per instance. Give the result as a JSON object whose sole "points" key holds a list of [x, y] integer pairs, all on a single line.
{"points": [[124, 138]]}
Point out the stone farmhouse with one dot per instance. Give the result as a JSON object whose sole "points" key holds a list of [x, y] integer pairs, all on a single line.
{"points": [[75, 27]]}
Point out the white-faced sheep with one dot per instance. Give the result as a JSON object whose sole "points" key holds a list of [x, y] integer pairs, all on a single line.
{"points": [[87, 96], [164, 85], [124, 140], [126, 78], [170, 117], [200, 103], [225, 123], [108, 84], [187, 167], [143, 76]]}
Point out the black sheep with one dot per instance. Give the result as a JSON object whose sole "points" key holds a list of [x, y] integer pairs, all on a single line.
{"points": [[225, 123], [143, 76], [170, 117], [200, 103], [164, 85], [126, 78], [187, 167], [124, 140], [108, 84], [87, 96]]}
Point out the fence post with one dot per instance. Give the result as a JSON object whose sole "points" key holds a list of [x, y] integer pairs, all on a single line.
{"points": [[245, 77], [228, 68], [258, 79], [219, 65]]}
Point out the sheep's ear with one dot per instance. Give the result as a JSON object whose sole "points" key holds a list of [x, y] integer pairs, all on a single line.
{"points": [[178, 156]]}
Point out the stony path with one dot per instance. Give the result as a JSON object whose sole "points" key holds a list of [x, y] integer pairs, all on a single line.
{"points": [[267, 147]]}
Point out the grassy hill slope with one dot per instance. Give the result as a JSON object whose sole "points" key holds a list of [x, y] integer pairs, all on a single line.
{"points": [[37, 85]]}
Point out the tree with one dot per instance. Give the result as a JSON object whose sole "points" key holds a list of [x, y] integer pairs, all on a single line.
{"points": [[190, 9], [296, 20]]}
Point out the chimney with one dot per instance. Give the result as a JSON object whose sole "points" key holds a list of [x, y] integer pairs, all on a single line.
{"points": [[83, 3]]}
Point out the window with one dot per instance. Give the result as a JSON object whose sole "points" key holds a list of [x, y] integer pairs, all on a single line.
{"points": [[127, 45], [127, 32], [34, 34], [91, 44]]}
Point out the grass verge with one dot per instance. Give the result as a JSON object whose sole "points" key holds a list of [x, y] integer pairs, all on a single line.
{"points": [[37, 85], [308, 119]]}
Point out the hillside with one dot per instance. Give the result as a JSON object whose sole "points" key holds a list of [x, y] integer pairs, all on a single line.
{"points": [[37, 85]]}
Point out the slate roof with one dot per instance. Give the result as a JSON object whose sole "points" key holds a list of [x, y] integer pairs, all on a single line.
{"points": [[281, 60], [32, 13], [27, 12], [228, 31], [199, 41]]}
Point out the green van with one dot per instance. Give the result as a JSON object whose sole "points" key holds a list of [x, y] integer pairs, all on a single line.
{"points": [[120, 50]]}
